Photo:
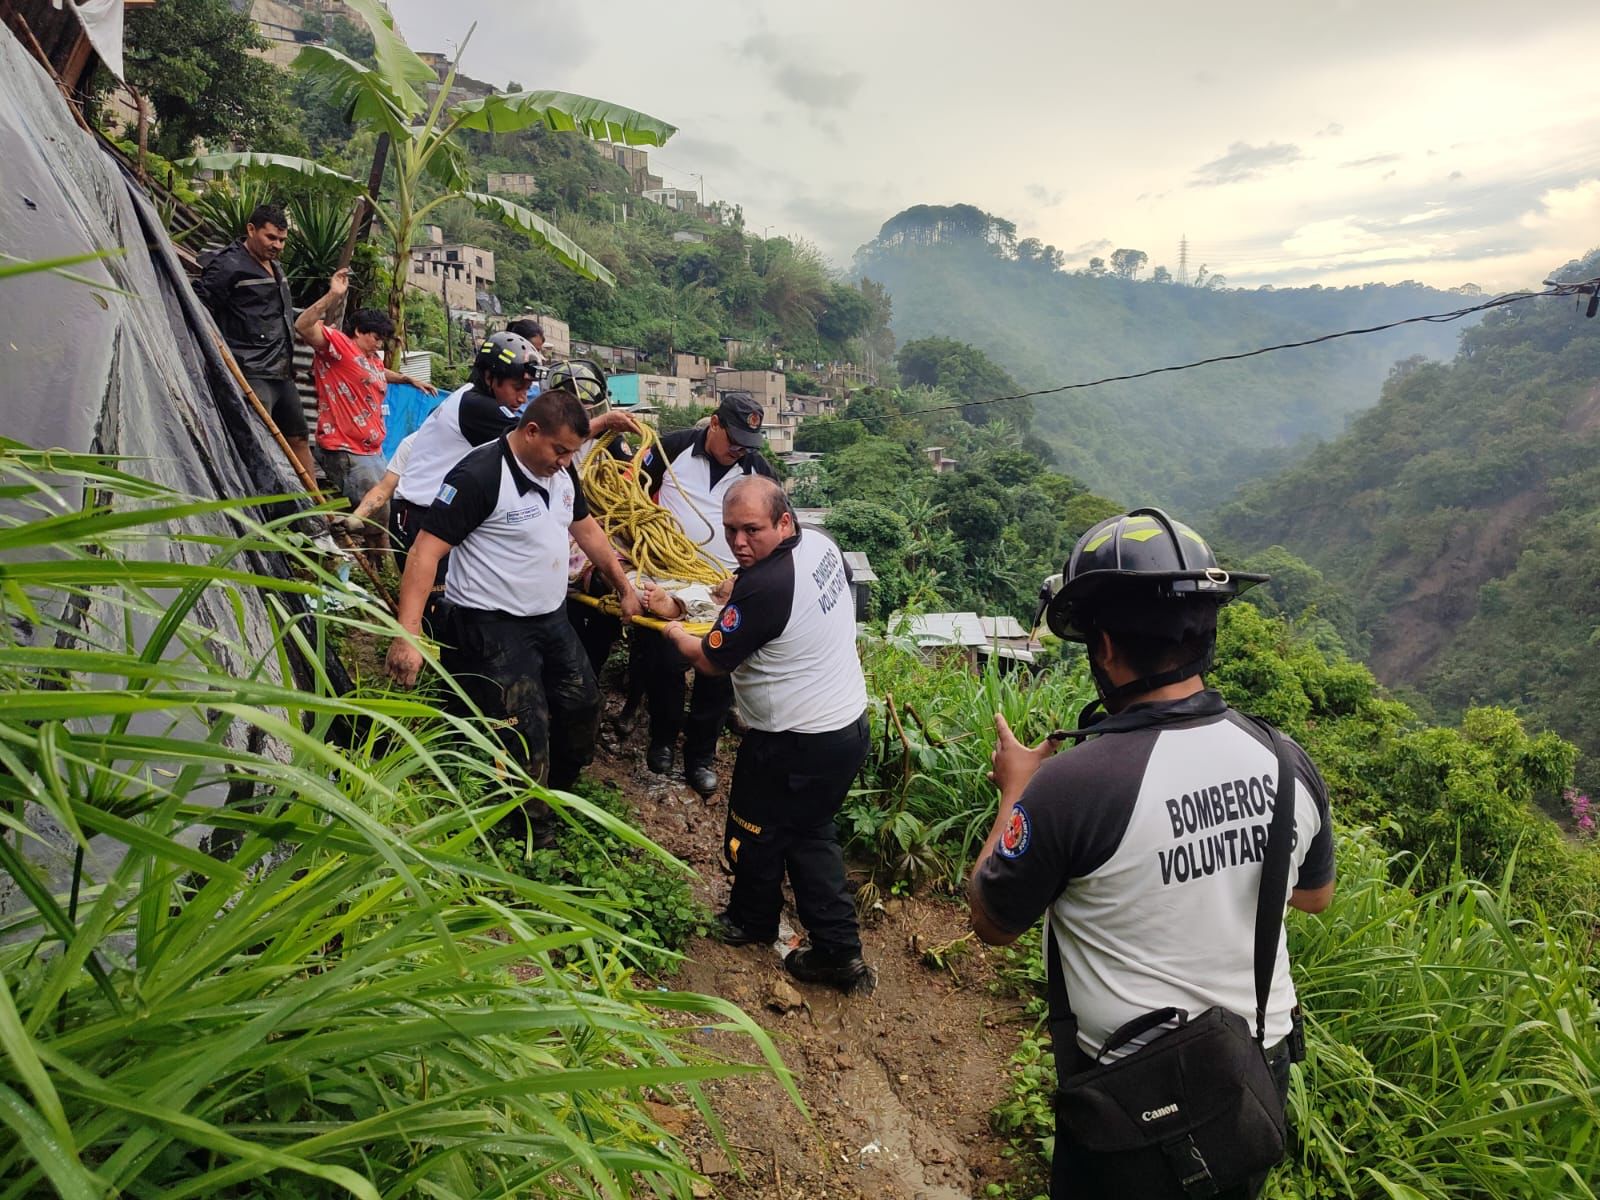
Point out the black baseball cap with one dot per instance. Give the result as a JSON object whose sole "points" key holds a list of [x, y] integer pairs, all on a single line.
{"points": [[741, 416]]}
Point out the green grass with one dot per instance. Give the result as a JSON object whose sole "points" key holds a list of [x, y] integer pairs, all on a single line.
{"points": [[927, 804], [655, 906], [272, 950]]}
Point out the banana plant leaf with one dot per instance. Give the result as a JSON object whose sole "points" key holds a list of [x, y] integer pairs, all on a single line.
{"points": [[542, 233], [561, 111], [398, 64], [365, 95], [285, 168]]}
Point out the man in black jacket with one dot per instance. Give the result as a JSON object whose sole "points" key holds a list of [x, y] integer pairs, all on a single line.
{"points": [[248, 295]]}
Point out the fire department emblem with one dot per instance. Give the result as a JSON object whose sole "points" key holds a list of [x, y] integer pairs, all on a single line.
{"points": [[1017, 834]]}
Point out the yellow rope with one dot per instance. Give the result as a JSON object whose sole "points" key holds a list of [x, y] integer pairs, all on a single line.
{"points": [[649, 535]]}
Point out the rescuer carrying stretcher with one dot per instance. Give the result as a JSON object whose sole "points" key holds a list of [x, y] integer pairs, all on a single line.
{"points": [[503, 513]]}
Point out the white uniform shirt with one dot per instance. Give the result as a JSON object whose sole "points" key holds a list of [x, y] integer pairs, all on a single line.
{"points": [[693, 489], [509, 532], [464, 419], [788, 635], [1145, 847]]}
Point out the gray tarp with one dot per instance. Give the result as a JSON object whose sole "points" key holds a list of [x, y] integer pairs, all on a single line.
{"points": [[94, 370]]}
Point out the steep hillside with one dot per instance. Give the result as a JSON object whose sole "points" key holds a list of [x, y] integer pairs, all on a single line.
{"points": [[1187, 439], [1462, 517]]}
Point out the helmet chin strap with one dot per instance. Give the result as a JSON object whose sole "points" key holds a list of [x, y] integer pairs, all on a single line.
{"points": [[1114, 697]]}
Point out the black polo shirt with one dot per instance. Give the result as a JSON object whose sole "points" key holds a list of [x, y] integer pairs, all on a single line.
{"points": [[252, 309], [509, 532]]}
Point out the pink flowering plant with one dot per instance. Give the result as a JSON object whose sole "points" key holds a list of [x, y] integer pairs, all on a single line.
{"points": [[1582, 809]]}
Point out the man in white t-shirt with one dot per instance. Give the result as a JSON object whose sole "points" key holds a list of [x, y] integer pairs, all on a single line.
{"points": [[690, 474], [787, 635]]}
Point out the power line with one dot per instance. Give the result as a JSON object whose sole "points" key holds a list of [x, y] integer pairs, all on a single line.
{"points": [[1589, 288]]}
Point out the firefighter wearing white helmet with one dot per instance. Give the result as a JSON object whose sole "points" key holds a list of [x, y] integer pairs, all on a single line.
{"points": [[1144, 847]]}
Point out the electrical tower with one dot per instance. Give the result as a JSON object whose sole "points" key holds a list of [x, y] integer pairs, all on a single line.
{"points": [[1183, 260]]}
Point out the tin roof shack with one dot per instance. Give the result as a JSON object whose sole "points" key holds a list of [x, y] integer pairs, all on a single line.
{"points": [[968, 636]]}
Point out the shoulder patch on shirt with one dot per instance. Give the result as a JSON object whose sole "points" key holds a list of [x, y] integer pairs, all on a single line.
{"points": [[1017, 835], [730, 618], [714, 639], [447, 493]]}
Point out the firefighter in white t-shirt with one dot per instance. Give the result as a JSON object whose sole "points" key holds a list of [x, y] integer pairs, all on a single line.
{"points": [[787, 636], [1143, 847]]}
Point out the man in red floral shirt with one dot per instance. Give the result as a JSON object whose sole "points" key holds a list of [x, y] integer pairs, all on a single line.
{"points": [[351, 381]]}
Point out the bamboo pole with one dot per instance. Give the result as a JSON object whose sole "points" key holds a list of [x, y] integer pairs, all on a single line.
{"points": [[343, 539]]}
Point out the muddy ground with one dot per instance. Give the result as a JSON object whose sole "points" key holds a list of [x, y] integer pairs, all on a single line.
{"points": [[899, 1083]]}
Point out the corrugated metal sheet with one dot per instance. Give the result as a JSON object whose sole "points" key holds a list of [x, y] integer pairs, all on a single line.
{"points": [[860, 569]]}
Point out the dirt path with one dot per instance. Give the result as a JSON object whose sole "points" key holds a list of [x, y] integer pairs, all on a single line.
{"points": [[899, 1083]]}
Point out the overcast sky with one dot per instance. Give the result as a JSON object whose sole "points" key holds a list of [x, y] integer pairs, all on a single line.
{"points": [[1293, 141]]}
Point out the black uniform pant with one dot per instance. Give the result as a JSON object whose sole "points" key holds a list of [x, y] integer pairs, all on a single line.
{"points": [[597, 632], [787, 788], [1066, 1182], [532, 672], [405, 522], [664, 689]]}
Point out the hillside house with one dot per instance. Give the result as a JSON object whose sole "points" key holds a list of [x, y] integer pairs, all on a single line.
{"points": [[615, 359], [862, 577], [635, 161], [445, 281], [512, 183], [768, 387], [462, 275], [691, 366], [655, 391], [680, 200]]}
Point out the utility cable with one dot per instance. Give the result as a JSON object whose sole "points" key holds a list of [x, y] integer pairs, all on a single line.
{"points": [[1590, 288]]}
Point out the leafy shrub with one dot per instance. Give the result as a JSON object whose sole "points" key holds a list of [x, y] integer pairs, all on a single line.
{"points": [[649, 901]]}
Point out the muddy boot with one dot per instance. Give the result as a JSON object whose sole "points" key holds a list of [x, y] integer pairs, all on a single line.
{"points": [[850, 974], [731, 933]]}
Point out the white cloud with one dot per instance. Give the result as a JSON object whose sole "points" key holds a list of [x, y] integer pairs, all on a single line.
{"points": [[1567, 212], [1242, 162]]}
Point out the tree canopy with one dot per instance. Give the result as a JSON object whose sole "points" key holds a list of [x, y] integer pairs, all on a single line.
{"points": [[193, 61]]}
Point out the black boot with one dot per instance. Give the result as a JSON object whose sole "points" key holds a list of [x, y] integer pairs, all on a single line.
{"points": [[730, 933], [701, 778], [659, 758], [850, 974]]}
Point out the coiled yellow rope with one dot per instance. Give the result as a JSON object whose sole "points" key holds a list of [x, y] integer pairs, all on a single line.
{"points": [[643, 530]]}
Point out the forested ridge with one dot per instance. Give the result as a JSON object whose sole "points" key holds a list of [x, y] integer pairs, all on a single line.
{"points": [[1460, 520], [1189, 438]]}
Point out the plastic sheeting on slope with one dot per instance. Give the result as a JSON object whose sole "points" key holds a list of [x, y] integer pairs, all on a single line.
{"points": [[132, 371]]}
